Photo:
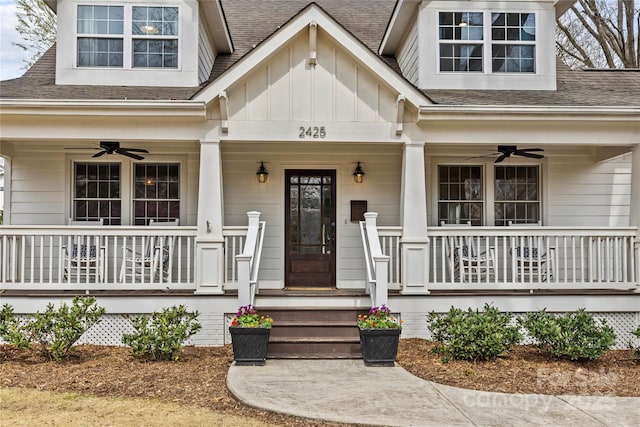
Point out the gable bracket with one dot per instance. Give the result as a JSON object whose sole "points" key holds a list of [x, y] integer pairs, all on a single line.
{"points": [[400, 118], [313, 36], [224, 112]]}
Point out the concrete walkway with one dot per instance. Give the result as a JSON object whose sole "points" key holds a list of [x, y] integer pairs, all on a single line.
{"points": [[347, 391]]}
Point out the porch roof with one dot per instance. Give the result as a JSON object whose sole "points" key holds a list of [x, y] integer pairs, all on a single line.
{"points": [[251, 22]]}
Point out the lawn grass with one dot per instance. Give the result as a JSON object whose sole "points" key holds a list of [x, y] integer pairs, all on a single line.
{"points": [[26, 407]]}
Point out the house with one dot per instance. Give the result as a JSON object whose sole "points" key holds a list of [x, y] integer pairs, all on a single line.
{"points": [[336, 154]]}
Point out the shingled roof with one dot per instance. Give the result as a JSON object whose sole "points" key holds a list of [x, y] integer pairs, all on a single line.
{"points": [[250, 22]]}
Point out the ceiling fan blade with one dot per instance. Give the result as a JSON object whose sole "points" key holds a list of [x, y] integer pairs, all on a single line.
{"points": [[101, 153], [532, 155], [485, 156], [126, 153], [502, 157], [530, 149], [136, 150]]}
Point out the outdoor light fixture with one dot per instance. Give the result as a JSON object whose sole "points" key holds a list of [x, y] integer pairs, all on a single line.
{"points": [[358, 174], [262, 174]]}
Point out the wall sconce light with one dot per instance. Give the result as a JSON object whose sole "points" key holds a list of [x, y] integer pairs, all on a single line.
{"points": [[262, 174], [358, 174]]}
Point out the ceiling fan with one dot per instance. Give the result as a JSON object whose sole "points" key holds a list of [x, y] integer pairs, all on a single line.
{"points": [[113, 147], [512, 150]]}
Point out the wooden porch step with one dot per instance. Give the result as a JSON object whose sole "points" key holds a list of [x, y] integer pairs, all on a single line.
{"points": [[313, 333]]}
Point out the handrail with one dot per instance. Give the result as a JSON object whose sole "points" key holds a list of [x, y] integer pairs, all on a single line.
{"points": [[249, 260], [377, 262]]}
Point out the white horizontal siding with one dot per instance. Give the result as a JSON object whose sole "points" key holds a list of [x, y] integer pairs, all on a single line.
{"points": [[242, 193], [206, 54], [337, 89], [41, 178], [408, 55], [581, 192]]}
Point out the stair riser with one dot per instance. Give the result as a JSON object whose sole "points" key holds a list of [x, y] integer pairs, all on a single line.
{"points": [[314, 331], [312, 315], [302, 350]]}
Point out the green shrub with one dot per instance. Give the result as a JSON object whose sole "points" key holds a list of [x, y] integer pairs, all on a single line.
{"points": [[160, 337], [473, 335], [57, 331], [636, 350], [576, 335], [12, 328]]}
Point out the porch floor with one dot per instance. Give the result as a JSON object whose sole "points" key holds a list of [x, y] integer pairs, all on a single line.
{"points": [[301, 293]]}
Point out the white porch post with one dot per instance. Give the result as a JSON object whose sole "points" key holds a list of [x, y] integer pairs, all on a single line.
{"points": [[209, 241], [634, 211], [413, 205]]}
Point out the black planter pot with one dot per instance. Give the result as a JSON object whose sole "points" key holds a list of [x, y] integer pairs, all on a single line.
{"points": [[249, 345], [379, 346]]}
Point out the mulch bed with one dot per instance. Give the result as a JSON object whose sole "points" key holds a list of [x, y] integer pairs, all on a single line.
{"points": [[199, 376], [526, 370]]}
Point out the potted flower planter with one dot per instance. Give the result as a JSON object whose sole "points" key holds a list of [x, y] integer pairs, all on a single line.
{"points": [[250, 336], [249, 345], [379, 336], [379, 346]]}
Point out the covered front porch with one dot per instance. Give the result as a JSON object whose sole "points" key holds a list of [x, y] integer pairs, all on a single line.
{"points": [[457, 258]]}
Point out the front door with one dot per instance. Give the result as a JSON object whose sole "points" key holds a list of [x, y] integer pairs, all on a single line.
{"points": [[310, 228]]}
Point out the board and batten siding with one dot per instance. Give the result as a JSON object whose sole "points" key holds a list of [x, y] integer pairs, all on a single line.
{"points": [[408, 55], [41, 183], [583, 192], [243, 193], [337, 89]]}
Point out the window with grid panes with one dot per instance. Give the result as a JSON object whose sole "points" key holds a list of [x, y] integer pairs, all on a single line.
{"points": [[513, 46], [97, 192], [155, 37], [100, 31], [460, 35], [460, 194], [156, 192], [517, 195]]}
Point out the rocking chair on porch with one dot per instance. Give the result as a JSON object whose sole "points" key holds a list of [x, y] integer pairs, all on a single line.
{"points": [[83, 256], [466, 261], [154, 261]]}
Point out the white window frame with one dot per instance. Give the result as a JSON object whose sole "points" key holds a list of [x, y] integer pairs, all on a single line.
{"points": [[488, 184], [107, 36], [127, 178], [487, 43], [128, 37]]}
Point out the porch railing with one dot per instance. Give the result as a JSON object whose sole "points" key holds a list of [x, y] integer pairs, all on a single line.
{"points": [[377, 264], [90, 257], [249, 260], [533, 258]]}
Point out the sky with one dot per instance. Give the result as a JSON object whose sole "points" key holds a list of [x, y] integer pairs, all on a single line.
{"points": [[11, 64]]}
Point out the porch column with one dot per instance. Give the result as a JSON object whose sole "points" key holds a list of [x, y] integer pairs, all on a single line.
{"points": [[634, 211], [634, 208], [209, 241], [413, 205]]}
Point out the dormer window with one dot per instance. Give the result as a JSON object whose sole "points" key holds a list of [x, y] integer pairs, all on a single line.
{"points": [[100, 36], [513, 38], [155, 37], [461, 35], [466, 45], [103, 42]]}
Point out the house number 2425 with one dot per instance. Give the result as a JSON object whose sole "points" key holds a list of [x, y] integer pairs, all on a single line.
{"points": [[311, 132]]}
